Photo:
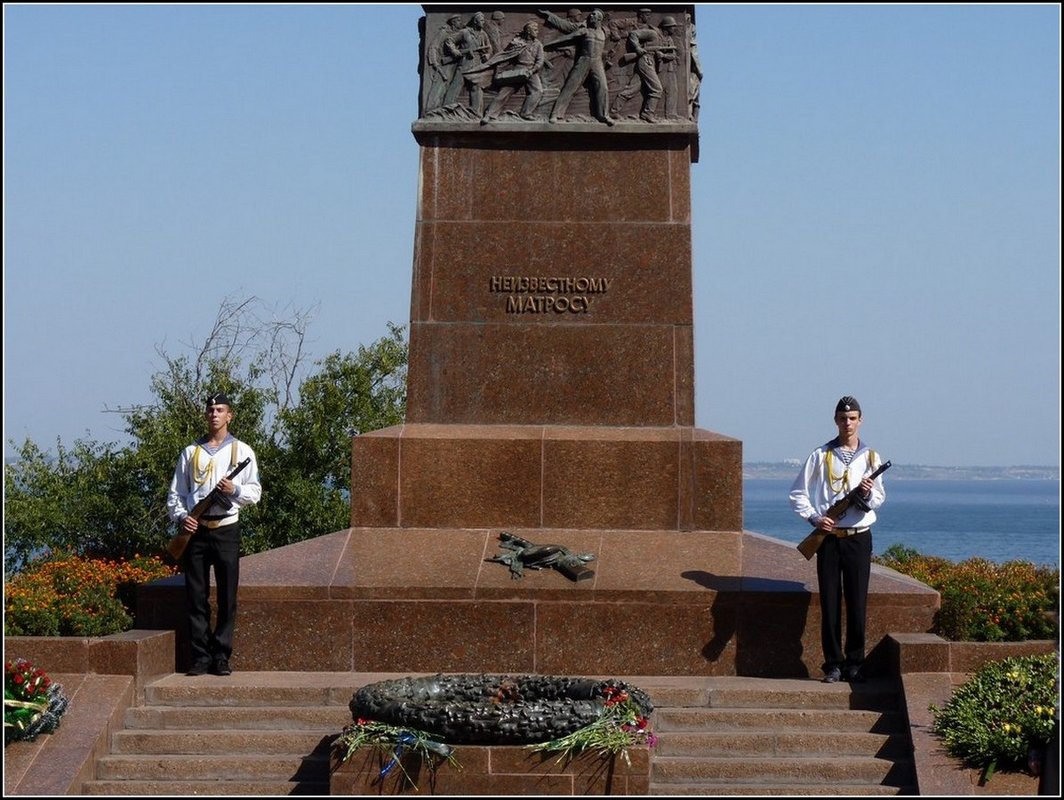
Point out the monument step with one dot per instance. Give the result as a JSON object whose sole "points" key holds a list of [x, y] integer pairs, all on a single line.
{"points": [[780, 790], [323, 718], [759, 743], [826, 772], [268, 733], [810, 720], [211, 788], [225, 769], [259, 688], [736, 736], [166, 742]]}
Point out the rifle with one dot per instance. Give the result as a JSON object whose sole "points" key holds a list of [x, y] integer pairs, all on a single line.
{"points": [[176, 546], [811, 543], [628, 58]]}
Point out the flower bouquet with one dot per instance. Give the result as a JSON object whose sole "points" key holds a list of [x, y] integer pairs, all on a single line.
{"points": [[620, 726], [395, 741], [33, 704]]}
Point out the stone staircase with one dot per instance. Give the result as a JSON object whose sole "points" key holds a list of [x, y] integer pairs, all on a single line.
{"points": [[253, 733], [758, 736], [269, 733]]}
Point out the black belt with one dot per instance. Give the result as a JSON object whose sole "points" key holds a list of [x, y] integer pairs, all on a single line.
{"points": [[842, 533]]}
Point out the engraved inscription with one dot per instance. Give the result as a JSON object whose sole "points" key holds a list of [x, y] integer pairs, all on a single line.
{"points": [[527, 294]]}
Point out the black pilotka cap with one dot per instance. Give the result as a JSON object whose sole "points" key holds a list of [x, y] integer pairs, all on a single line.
{"points": [[848, 403], [218, 399]]}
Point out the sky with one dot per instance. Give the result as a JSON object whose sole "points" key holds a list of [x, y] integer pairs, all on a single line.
{"points": [[875, 210]]}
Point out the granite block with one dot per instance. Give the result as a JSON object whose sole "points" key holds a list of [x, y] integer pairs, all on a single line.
{"points": [[594, 480], [68, 654], [375, 479], [472, 482], [601, 273], [144, 654], [410, 564], [919, 652], [972, 656], [444, 636], [562, 476], [549, 178], [497, 338], [288, 634], [538, 373], [634, 638], [714, 491], [667, 567], [494, 771]]}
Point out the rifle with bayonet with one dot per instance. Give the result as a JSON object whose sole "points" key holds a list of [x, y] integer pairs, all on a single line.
{"points": [[176, 546], [811, 543]]}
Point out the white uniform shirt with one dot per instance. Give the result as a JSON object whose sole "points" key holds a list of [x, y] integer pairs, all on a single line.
{"points": [[199, 470], [814, 491]]}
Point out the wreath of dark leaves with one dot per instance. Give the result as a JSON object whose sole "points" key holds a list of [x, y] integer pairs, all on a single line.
{"points": [[491, 709]]}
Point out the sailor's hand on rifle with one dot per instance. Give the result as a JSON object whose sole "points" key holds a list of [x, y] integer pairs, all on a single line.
{"points": [[825, 523], [866, 487], [225, 486], [189, 525]]}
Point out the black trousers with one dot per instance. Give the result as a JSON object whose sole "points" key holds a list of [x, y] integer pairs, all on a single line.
{"points": [[218, 549], [843, 567]]}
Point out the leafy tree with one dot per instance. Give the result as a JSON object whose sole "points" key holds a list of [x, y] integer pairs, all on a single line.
{"points": [[98, 499]]}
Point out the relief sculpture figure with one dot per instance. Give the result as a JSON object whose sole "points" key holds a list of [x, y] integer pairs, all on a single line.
{"points": [[645, 43], [562, 57], [440, 64], [518, 66], [588, 69], [470, 47], [667, 60], [634, 83], [494, 29]]}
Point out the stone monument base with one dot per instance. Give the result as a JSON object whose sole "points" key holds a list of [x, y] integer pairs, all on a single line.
{"points": [[426, 600], [496, 771]]}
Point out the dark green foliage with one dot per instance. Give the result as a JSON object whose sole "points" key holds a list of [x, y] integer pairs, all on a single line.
{"points": [[1001, 712], [102, 500]]}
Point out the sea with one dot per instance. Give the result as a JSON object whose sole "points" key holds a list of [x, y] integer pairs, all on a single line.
{"points": [[999, 520]]}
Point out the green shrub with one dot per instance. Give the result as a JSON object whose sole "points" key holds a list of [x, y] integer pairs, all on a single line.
{"points": [[983, 601], [64, 595], [1005, 709]]}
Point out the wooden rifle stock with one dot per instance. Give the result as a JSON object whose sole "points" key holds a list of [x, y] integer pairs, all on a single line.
{"points": [[176, 546], [811, 543]]}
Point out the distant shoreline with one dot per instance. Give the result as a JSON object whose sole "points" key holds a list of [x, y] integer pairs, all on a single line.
{"points": [[788, 469]]}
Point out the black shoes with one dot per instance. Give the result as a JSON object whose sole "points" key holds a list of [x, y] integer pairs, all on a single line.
{"points": [[853, 675], [220, 666]]}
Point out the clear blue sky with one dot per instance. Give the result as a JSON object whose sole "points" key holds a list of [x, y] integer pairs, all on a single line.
{"points": [[875, 210]]}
